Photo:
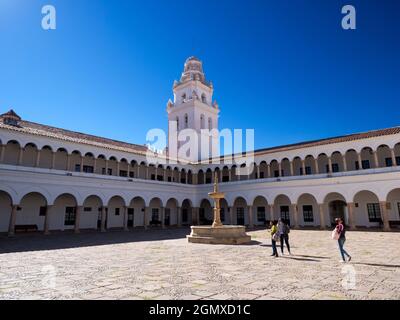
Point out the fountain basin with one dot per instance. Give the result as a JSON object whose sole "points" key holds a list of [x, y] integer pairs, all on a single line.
{"points": [[219, 235]]}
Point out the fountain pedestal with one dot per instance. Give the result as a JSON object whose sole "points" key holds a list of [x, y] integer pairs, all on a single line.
{"points": [[217, 233]]}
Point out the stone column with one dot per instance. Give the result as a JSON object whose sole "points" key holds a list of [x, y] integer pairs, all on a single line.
{"points": [[37, 162], [186, 178], [251, 218], [179, 176], [162, 211], [268, 171], [359, 161], [106, 163], [138, 171], [232, 213], [376, 160], [125, 208], [20, 155], [165, 175], [68, 162], [2, 150], [53, 160], [103, 219], [179, 213], [280, 169], [303, 166], [316, 166], [350, 211], [295, 215], [79, 210], [258, 172], [197, 215], [272, 213], [344, 162], [393, 157], [385, 216], [81, 163], [321, 216], [145, 217], [147, 173], [329, 165], [118, 166], [13, 218], [47, 220], [291, 168]]}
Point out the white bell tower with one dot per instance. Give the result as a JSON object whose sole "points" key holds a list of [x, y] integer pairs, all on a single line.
{"points": [[193, 108]]}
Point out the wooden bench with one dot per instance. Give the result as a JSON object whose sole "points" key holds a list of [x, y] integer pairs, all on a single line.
{"points": [[155, 223], [394, 223], [26, 228]]}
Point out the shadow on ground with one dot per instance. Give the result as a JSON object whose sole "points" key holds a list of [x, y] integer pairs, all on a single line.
{"points": [[67, 240]]}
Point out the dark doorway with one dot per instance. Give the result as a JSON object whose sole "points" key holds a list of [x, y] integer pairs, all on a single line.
{"points": [[240, 216], [337, 209], [131, 216]]}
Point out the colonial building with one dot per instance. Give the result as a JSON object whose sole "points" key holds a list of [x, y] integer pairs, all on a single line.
{"points": [[54, 179]]}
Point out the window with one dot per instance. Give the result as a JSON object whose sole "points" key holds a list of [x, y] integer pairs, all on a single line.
{"points": [[131, 174], [388, 162], [203, 98], [276, 173], [357, 165], [308, 213], [177, 123], [116, 212], [87, 209], [262, 176], [153, 176], [183, 97], [154, 214], [365, 164], [398, 208], [222, 214], [240, 215], [398, 161], [88, 169], [208, 180], [70, 215], [109, 171], [103, 170], [374, 212], [225, 178], [335, 167], [261, 214], [209, 123], [308, 170], [77, 168], [42, 211], [285, 215], [169, 179], [123, 173]]}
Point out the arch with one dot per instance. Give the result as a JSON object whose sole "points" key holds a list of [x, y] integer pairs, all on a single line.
{"points": [[12, 152], [205, 212], [33, 208], [393, 204], [136, 211], [384, 156], [367, 210], [115, 212], [62, 215], [91, 215], [261, 210], [335, 206], [6, 202], [351, 157], [308, 210], [171, 212]]}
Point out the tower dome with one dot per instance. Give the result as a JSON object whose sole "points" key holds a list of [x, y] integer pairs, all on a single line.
{"points": [[193, 70]]}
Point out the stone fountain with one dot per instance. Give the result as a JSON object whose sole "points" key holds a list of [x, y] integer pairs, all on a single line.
{"points": [[217, 233]]}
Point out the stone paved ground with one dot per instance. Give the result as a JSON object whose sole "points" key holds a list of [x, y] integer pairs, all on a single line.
{"points": [[160, 264]]}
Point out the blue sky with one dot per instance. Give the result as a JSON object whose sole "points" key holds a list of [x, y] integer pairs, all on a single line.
{"points": [[285, 68]]}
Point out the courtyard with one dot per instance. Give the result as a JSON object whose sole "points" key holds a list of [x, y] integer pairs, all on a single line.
{"points": [[160, 264]]}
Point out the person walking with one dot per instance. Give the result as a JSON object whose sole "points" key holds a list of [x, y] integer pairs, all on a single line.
{"points": [[284, 229], [341, 231], [274, 237]]}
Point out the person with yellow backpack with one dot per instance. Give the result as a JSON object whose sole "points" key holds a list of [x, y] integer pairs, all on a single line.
{"points": [[274, 237]]}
